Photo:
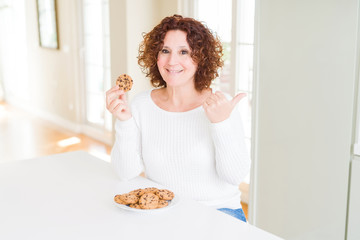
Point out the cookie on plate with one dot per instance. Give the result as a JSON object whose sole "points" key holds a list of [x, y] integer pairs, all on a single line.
{"points": [[135, 205], [164, 194], [149, 201], [124, 82], [162, 203], [118, 199], [138, 192], [128, 198], [150, 190]]}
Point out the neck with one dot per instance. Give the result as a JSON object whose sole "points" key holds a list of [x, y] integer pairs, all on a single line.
{"points": [[179, 96], [180, 99]]}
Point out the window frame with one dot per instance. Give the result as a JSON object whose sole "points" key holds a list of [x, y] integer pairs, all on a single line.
{"points": [[356, 146]]}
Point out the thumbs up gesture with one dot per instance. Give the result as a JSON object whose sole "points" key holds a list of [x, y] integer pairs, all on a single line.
{"points": [[218, 108]]}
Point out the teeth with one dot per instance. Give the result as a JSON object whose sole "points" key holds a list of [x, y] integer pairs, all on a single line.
{"points": [[174, 71]]}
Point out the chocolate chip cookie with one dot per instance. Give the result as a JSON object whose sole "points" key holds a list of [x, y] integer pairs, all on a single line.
{"points": [[162, 203], [128, 198], [164, 194], [124, 82], [149, 201]]}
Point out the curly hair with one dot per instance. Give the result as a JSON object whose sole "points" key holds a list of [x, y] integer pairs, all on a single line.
{"points": [[206, 50]]}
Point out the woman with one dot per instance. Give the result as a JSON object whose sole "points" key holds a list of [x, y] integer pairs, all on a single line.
{"points": [[181, 134]]}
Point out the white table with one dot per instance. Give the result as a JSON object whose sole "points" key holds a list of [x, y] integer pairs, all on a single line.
{"points": [[70, 196]]}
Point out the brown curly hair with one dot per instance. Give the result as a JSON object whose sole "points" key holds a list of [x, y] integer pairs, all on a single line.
{"points": [[206, 50]]}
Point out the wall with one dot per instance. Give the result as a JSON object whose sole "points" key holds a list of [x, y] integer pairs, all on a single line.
{"points": [[306, 57], [53, 74]]}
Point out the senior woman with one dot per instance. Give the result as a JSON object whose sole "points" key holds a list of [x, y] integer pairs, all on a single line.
{"points": [[181, 133]]}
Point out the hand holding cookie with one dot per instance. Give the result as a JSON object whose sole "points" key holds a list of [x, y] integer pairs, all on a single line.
{"points": [[116, 101]]}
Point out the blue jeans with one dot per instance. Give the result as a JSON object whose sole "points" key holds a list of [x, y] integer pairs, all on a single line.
{"points": [[236, 213]]}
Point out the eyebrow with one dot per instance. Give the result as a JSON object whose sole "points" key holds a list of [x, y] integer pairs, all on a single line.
{"points": [[178, 47]]}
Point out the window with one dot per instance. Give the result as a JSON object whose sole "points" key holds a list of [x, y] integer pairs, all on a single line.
{"points": [[14, 84], [96, 62]]}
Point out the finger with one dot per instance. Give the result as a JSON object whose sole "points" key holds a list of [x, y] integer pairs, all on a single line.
{"points": [[210, 100], [116, 94], [215, 96], [122, 96], [237, 99], [205, 105], [219, 95], [120, 108], [114, 104], [110, 94], [110, 98], [114, 88]]}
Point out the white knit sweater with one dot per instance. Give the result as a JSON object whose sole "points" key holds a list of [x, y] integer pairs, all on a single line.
{"points": [[183, 151]]}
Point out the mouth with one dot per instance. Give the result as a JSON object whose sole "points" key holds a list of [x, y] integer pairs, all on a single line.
{"points": [[173, 71]]}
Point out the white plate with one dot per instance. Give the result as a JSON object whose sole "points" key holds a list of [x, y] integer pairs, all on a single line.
{"points": [[172, 203]]}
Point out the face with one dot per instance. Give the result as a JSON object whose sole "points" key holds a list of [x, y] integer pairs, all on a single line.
{"points": [[175, 64]]}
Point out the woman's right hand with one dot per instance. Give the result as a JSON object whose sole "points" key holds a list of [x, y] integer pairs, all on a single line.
{"points": [[117, 104]]}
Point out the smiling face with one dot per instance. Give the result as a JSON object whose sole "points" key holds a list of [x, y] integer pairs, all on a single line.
{"points": [[175, 64]]}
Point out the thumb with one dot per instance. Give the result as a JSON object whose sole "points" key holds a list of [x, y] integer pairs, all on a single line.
{"points": [[123, 96], [237, 99]]}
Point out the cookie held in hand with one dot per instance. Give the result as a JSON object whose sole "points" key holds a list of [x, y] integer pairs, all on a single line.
{"points": [[124, 82]]}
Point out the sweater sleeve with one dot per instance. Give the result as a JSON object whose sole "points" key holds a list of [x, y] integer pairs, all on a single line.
{"points": [[126, 153], [232, 159]]}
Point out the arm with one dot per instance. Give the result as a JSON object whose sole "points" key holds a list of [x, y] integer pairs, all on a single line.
{"points": [[231, 155], [232, 160], [126, 153]]}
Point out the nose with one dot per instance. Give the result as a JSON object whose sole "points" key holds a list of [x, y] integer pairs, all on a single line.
{"points": [[173, 59]]}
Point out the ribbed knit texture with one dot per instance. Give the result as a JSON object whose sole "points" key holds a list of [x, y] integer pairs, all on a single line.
{"points": [[183, 151]]}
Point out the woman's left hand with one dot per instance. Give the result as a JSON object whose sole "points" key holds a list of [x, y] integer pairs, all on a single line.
{"points": [[218, 108]]}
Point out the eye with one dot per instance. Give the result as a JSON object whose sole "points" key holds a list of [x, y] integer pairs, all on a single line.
{"points": [[184, 52], [164, 51]]}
